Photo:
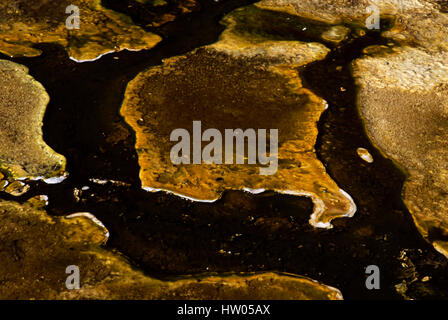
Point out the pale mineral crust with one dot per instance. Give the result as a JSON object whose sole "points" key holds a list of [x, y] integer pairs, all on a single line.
{"points": [[364, 154], [23, 24], [332, 12], [36, 249], [245, 80], [23, 153], [414, 21], [402, 95], [336, 34], [403, 99]]}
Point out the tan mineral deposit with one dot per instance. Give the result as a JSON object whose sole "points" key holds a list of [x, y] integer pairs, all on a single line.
{"points": [[23, 24], [35, 250], [245, 80], [402, 96], [23, 100], [403, 99], [414, 21]]}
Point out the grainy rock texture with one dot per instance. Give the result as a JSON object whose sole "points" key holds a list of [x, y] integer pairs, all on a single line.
{"points": [[23, 153], [245, 80], [36, 249], [414, 21], [335, 11], [403, 95], [404, 101], [24, 24]]}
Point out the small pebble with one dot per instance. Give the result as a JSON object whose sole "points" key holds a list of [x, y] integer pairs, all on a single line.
{"points": [[3, 184], [364, 154], [17, 188]]}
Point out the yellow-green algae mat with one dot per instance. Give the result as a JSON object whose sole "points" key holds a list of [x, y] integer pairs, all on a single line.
{"points": [[35, 250], [403, 96], [23, 100], [24, 23], [242, 81]]}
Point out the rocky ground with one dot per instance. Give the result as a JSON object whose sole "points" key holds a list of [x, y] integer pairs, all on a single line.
{"points": [[87, 180]]}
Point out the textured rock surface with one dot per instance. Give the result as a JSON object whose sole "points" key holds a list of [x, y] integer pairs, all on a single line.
{"points": [[35, 250], [242, 81], [23, 153], [403, 95], [414, 21], [333, 12], [248, 24], [24, 24], [404, 101]]}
